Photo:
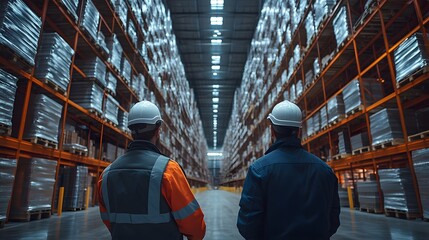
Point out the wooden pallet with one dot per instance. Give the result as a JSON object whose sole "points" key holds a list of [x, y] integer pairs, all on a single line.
{"points": [[88, 35], [418, 136], [31, 215], [95, 112], [371, 210], [340, 156], [336, 121], [54, 86], [361, 150], [401, 214], [16, 59], [354, 110], [110, 92], [44, 142], [74, 209], [76, 152], [111, 123], [388, 143], [5, 130], [413, 76]]}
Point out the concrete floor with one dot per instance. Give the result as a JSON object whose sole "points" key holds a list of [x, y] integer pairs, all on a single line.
{"points": [[220, 209]]}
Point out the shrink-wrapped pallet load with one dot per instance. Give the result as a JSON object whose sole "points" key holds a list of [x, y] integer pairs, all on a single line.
{"points": [[7, 97], [421, 168], [7, 176]]}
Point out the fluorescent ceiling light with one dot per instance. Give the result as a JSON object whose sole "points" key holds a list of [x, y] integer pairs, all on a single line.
{"points": [[216, 86], [215, 58], [217, 32], [216, 20], [215, 106], [216, 4], [215, 74], [215, 110], [216, 41], [214, 154], [215, 93], [215, 100], [215, 116], [215, 132], [215, 67]]}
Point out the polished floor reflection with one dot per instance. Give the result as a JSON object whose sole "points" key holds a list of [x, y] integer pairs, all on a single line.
{"points": [[220, 209]]}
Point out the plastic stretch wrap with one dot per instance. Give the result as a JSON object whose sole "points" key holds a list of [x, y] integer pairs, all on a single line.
{"points": [[90, 19], [310, 125], [359, 140], [94, 68], [294, 15], [71, 6], [421, 168], [74, 181], [19, 29], [53, 60], [111, 109], [309, 28], [316, 67], [126, 69], [398, 190], [43, 118], [316, 121], [410, 56], [321, 10], [385, 125], [36, 178], [88, 95], [368, 195], [292, 92], [352, 94], [323, 117], [121, 9], [132, 32], [123, 120], [138, 85], [115, 50], [299, 88], [341, 26], [309, 77], [7, 96], [344, 142], [296, 54], [7, 175], [101, 41], [111, 82], [109, 152], [74, 147], [335, 108]]}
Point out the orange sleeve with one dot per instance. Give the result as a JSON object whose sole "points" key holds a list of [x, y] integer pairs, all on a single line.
{"points": [[100, 201], [176, 190]]}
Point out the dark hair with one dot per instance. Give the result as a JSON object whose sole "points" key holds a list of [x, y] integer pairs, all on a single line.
{"points": [[143, 131], [285, 131]]}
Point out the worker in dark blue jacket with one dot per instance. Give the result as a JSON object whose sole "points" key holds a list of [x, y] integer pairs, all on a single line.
{"points": [[289, 193]]}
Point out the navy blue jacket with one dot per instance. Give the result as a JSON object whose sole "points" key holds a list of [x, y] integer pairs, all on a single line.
{"points": [[289, 194]]}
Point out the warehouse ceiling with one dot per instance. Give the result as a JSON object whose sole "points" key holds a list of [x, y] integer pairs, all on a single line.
{"points": [[213, 37]]}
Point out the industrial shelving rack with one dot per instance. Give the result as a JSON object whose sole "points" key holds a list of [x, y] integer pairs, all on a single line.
{"points": [[376, 29], [189, 151]]}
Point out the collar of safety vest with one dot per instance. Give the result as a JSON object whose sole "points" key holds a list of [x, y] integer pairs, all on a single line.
{"points": [[142, 145], [287, 142]]}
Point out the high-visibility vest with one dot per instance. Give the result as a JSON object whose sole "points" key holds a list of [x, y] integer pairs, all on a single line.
{"points": [[131, 191]]}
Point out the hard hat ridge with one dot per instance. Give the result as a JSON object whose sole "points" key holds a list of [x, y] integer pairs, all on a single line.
{"points": [[144, 112], [286, 114]]}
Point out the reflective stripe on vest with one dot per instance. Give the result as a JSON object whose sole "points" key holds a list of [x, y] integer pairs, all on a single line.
{"points": [[153, 216]]}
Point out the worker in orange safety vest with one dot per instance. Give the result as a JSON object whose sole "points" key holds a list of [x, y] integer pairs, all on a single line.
{"points": [[144, 194]]}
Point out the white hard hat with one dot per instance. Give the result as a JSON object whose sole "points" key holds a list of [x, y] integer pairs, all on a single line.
{"points": [[286, 114], [144, 112]]}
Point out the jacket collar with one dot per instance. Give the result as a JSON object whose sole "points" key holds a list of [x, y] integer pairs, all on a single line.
{"points": [[142, 145], [287, 142]]}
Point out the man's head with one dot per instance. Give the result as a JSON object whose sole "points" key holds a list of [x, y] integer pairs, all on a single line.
{"points": [[144, 121], [285, 119]]}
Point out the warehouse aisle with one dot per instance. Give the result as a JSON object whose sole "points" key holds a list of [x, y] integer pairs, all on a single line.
{"points": [[220, 208]]}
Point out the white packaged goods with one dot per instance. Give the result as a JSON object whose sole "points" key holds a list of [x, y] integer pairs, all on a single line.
{"points": [[299, 88], [7, 176], [369, 197], [335, 108], [7, 97], [316, 67], [43, 118], [316, 122], [321, 10], [352, 94], [126, 69], [74, 180], [421, 168], [132, 32], [115, 50], [90, 19], [111, 109], [71, 6], [93, 68], [344, 142], [359, 140], [14, 14], [309, 77], [310, 126], [88, 95], [53, 60], [37, 181], [341, 26], [410, 56], [309, 28], [323, 117], [101, 41], [398, 190], [111, 82]]}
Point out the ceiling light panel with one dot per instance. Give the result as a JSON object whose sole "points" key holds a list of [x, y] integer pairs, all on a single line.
{"points": [[216, 21], [216, 41], [216, 4]]}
